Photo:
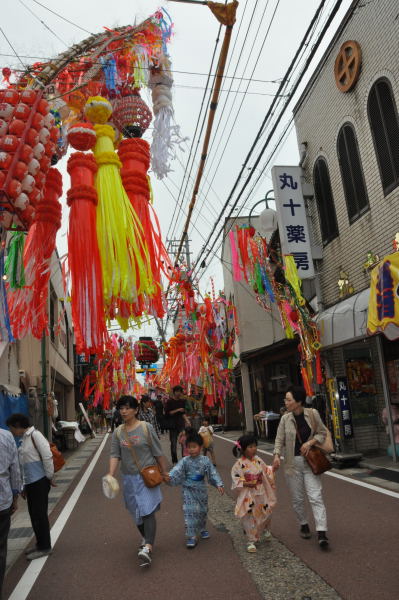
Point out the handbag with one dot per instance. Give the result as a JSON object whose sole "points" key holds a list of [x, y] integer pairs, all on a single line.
{"points": [[315, 458], [327, 446], [58, 459], [151, 475]]}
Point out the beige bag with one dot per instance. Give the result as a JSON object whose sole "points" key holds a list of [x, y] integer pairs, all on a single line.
{"points": [[327, 446]]}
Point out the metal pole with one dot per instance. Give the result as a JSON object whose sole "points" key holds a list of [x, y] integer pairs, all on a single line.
{"points": [[386, 396], [44, 386]]}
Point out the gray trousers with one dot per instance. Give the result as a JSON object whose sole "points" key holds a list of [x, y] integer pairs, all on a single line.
{"points": [[300, 482], [5, 522]]}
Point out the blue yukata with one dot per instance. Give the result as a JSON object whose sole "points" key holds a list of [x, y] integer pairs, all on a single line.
{"points": [[191, 474]]}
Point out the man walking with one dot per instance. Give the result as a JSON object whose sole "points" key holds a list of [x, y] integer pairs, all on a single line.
{"points": [[175, 411], [10, 486]]}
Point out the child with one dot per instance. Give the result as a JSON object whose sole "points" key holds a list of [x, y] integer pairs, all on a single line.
{"points": [[206, 432], [255, 482], [190, 472], [182, 441]]}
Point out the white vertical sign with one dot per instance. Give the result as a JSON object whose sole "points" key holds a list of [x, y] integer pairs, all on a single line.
{"points": [[292, 221]]}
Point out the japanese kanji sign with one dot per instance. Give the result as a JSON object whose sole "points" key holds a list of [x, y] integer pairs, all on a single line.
{"points": [[292, 222], [344, 403]]}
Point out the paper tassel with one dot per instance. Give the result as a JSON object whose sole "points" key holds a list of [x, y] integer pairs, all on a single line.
{"points": [[28, 306], [84, 257], [14, 265], [234, 257], [5, 327]]}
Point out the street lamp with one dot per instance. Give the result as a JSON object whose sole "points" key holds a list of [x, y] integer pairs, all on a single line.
{"points": [[267, 219]]}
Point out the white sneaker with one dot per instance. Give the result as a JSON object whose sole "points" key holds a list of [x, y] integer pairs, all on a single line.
{"points": [[145, 557], [251, 547], [267, 536]]}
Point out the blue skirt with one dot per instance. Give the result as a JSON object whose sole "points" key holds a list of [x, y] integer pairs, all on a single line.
{"points": [[139, 499]]}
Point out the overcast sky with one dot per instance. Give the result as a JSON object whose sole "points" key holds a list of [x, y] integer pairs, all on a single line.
{"points": [[191, 49]]}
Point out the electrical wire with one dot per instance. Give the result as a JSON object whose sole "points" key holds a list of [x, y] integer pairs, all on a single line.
{"points": [[61, 17], [269, 111], [12, 47], [43, 23]]}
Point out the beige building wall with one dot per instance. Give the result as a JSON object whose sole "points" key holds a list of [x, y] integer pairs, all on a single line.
{"points": [[319, 115]]}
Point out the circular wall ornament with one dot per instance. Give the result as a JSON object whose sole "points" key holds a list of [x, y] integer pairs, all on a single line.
{"points": [[348, 65]]}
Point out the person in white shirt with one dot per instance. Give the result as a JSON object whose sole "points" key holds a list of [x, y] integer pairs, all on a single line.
{"points": [[37, 465], [206, 432]]}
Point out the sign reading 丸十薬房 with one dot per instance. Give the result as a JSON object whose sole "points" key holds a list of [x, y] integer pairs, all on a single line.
{"points": [[292, 221]]}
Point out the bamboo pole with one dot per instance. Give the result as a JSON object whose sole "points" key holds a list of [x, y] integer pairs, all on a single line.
{"points": [[225, 15]]}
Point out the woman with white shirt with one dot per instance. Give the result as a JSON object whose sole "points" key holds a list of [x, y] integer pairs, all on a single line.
{"points": [[37, 466]]}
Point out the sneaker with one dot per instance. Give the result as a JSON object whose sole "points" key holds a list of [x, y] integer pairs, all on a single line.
{"points": [[205, 535], [144, 556], [305, 531], [323, 540], [38, 554], [30, 550], [191, 543], [251, 547]]}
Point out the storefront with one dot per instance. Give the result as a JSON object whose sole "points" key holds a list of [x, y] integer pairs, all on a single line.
{"points": [[358, 369]]}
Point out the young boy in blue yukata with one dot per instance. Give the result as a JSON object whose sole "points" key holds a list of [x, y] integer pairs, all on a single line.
{"points": [[191, 473]]}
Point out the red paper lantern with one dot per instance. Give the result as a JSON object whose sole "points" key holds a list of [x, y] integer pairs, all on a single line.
{"points": [[43, 107], [44, 135], [16, 127], [131, 115], [54, 134], [28, 97], [10, 96], [21, 169], [26, 153], [5, 160], [22, 111], [22, 201], [82, 136], [38, 121], [9, 143], [14, 188], [28, 183], [32, 137], [38, 151], [34, 166], [146, 351]]}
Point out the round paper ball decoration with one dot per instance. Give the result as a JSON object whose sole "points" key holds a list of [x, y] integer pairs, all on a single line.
{"points": [[131, 115], [98, 109], [82, 136]]}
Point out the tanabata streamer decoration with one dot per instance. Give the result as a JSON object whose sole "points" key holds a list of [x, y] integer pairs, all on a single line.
{"points": [[28, 305], [284, 291], [201, 353]]}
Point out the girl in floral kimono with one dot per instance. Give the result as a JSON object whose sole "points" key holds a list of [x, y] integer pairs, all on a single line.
{"points": [[254, 481], [190, 472]]}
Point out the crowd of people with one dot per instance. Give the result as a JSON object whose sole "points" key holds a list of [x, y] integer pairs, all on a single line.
{"points": [[137, 427]]}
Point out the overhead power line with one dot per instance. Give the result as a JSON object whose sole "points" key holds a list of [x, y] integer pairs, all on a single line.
{"points": [[269, 112], [61, 17]]}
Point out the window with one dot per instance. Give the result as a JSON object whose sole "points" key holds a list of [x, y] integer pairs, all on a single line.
{"points": [[384, 124], [352, 173], [325, 201]]}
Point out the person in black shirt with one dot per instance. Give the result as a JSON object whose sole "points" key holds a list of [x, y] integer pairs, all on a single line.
{"points": [[175, 411]]}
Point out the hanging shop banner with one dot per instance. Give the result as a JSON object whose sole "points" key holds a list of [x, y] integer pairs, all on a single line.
{"points": [[292, 221], [333, 405], [346, 413], [383, 313]]}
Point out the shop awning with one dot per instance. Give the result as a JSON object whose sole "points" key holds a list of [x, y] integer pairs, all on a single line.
{"points": [[345, 321]]}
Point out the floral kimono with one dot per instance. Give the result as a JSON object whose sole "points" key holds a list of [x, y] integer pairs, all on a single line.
{"points": [[191, 473], [254, 505]]}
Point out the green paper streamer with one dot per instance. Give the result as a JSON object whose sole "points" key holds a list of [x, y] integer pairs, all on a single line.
{"points": [[14, 265]]}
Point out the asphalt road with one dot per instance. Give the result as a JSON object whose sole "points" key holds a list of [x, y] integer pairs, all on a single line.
{"points": [[95, 554]]}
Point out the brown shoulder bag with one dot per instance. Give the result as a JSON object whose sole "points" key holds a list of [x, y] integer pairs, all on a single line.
{"points": [[151, 475], [315, 458]]}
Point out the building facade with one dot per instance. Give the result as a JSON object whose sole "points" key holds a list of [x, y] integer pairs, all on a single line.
{"points": [[347, 121]]}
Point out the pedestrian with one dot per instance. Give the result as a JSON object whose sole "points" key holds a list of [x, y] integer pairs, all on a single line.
{"points": [[135, 445], [116, 417], [37, 465], [159, 413], [190, 473], [304, 424], [182, 439], [206, 432], [175, 412], [254, 481], [10, 487], [146, 413]]}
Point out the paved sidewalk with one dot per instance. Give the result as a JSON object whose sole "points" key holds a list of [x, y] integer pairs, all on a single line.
{"points": [[21, 532]]}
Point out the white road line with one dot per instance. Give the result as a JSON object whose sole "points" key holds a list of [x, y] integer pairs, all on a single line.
{"points": [[369, 486], [28, 579]]}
